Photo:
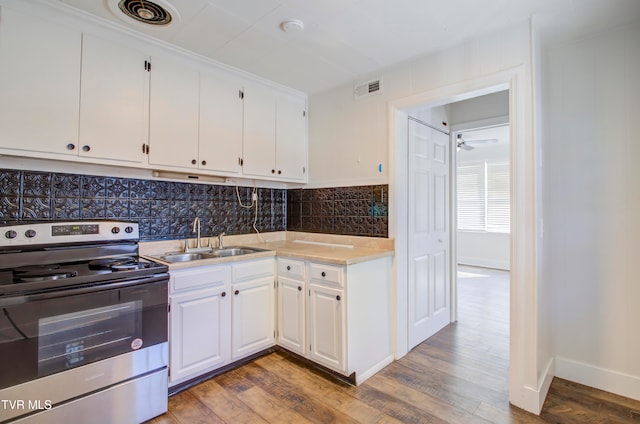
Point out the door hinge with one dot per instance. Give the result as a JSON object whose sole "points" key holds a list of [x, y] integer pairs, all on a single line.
{"points": [[147, 66], [241, 94]]}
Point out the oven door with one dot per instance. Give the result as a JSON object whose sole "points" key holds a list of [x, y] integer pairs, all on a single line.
{"points": [[47, 333]]}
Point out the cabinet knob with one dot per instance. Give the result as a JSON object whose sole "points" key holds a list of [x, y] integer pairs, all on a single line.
{"points": [[86, 148], [71, 146], [223, 294], [338, 297], [288, 267], [279, 172], [237, 292], [273, 171], [299, 288], [204, 162], [193, 161], [324, 274]]}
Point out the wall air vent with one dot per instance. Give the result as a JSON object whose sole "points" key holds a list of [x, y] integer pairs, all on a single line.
{"points": [[145, 11], [368, 88]]}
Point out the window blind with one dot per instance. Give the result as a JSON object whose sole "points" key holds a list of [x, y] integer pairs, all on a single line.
{"points": [[483, 190], [471, 194]]}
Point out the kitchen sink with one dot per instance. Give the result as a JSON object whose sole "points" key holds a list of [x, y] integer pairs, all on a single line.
{"points": [[174, 257]]}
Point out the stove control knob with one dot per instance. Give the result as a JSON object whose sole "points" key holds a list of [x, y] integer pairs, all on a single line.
{"points": [[115, 230], [128, 229], [11, 234], [30, 233]]}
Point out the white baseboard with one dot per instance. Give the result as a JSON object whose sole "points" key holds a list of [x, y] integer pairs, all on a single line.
{"points": [[361, 377], [600, 378], [484, 263], [531, 399]]}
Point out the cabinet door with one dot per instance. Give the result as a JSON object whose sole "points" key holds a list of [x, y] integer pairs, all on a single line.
{"points": [[291, 138], [173, 114], [259, 153], [326, 327], [199, 336], [291, 313], [252, 319], [220, 123], [113, 101], [39, 84]]}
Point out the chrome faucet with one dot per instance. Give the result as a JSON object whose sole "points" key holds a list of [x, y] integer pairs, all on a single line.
{"points": [[220, 245], [196, 229]]}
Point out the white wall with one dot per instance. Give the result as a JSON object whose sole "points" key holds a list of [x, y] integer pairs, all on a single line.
{"points": [[489, 250], [494, 105], [591, 207], [348, 138]]}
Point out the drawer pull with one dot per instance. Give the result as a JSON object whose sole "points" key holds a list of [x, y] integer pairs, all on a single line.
{"points": [[324, 274], [223, 294], [237, 292], [288, 267], [299, 288], [338, 297]]}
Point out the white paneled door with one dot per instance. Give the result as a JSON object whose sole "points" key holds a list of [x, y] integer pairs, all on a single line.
{"points": [[429, 229]]}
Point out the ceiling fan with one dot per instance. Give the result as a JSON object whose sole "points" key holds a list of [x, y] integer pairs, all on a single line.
{"points": [[463, 144]]}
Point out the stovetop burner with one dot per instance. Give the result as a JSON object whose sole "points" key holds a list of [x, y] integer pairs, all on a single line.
{"points": [[115, 264], [33, 273]]}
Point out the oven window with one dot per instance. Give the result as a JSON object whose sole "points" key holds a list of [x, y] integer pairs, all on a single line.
{"points": [[40, 337], [69, 340]]}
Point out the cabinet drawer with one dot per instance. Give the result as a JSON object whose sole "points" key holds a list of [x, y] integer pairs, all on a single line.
{"points": [[199, 277], [321, 273], [291, 268], [247, 270]]}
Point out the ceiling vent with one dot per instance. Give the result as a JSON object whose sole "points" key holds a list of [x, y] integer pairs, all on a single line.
{"points": [[145, 11], [368, 88]]}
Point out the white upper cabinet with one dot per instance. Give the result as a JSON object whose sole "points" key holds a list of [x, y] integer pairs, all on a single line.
{"points": [[113, 101], [221, 109], [274, 135], [291, 143], [259, 151], [39, 84], [71, 95], [173, 114]]}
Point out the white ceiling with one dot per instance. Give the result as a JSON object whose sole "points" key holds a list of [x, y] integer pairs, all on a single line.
{"points": [[347, 40]]}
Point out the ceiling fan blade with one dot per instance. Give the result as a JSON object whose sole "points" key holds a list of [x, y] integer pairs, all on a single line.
{"points": [[482, 141]]}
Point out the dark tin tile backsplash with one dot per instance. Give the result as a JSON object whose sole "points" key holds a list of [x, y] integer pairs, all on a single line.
{"points": [[165, 210], [357, 210]]}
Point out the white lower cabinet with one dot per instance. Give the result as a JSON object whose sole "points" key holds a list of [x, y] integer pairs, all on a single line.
{"points": [[326, 326], [345, 314], [219, 314], [253, 307], [253, 317], [200, 332]]}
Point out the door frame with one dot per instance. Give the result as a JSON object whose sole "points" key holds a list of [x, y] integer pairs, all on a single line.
{"points": [[525, 390]]}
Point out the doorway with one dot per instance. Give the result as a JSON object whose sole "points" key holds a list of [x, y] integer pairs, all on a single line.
{"points": [[524, 388]]}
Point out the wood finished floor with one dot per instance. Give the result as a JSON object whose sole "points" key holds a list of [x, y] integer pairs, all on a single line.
{"points": [[460, 375]]}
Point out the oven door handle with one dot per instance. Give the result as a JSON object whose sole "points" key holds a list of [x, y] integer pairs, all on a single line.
{"points": [[89, 288]]}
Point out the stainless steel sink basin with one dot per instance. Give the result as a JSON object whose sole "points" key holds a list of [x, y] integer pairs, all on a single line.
{"points": [[180, 257], [232, 251], [174, 257]]}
